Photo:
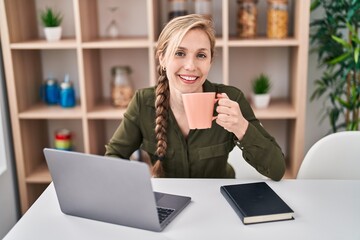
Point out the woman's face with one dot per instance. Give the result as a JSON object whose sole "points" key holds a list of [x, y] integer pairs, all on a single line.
{"points": [[188, 69]]}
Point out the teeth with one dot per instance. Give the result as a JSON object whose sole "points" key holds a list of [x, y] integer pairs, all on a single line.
{"points": [[188, 78]]}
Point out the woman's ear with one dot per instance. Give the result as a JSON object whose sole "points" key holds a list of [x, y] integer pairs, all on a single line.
{"points": [[162, 61]]}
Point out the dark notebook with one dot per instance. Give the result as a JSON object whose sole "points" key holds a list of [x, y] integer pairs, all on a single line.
{"points": [[256, 203]]}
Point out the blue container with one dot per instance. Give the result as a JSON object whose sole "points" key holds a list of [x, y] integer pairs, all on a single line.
{"points": [[50, 91], [67, 94]]}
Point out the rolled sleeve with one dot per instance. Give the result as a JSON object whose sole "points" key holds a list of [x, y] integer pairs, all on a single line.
{"points": [[262, 153]]}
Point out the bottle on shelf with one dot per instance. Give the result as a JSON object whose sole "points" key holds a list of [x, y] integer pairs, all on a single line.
{"points": [[50, 91], [277, 19], [177, 8], [203, 7], [67, 93], [121, 89], [247, 18]]}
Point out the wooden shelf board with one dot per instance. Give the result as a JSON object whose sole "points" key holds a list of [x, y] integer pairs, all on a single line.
{"points": [[43, 44], [278, 109], [106, 111], [219, 43], [43, 111], [133, 42], [40, 175], [262, 42]]}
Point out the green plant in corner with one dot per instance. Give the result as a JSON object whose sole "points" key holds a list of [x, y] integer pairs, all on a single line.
{"points": [[261, 84], [50, 18], [335, 38]]}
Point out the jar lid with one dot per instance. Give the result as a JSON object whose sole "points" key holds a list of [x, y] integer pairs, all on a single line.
{"points": [[65, 85], [51, 81], [120, 69], [63, 134], [247, 1], [278, 1]]}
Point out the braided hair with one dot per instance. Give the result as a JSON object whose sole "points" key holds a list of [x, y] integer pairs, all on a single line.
{"points": [[162, 104]]}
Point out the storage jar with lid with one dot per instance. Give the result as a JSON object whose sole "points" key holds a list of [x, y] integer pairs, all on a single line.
{"points": [[177, 8], [203, 7], [50, 91], [247, 18], [277, 19], [63, 139], [121, 89], [67, 93]]}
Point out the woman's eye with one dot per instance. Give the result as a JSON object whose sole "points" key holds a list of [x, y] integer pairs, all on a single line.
{"points": [[179, 54], [201, 55]]}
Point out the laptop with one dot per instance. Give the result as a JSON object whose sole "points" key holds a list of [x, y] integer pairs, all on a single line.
{"points": [[110, 190]]}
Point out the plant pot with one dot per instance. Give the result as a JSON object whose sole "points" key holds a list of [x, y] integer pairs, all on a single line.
{"points": [[52, 33], [261, 100]]}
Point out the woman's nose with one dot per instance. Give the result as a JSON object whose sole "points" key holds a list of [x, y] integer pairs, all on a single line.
{"points": [[189, 64]]}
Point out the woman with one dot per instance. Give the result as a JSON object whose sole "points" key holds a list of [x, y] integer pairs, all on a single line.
{"points": [[155, 120]]}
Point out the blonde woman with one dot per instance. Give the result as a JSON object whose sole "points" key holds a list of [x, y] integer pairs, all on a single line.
{"points": [[155, 120]]}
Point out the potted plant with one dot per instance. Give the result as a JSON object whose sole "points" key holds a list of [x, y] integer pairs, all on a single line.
{"points": [[335, 38], [51, 21], [261, 86]]}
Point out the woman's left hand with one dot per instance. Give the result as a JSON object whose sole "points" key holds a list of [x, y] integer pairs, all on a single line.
{"points": [[230, 116]]}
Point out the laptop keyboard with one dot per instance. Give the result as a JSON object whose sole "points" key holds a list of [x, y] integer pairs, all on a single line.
{"points": [[163, 213]]}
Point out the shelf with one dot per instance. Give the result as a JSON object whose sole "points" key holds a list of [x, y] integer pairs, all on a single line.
{"points": [[43, 44], [278, 109], [117, 43], [106, 112], [40, 175], [42, 111], [263, 42]]}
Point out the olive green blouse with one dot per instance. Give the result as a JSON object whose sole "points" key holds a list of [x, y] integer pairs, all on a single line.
{"points": [[204, 153]]}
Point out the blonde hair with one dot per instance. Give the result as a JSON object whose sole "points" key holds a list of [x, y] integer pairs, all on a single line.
{"points": [[168, 42]]}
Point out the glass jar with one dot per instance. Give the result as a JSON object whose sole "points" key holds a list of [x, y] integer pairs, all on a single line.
{"points": [[203, 7], [50, 91], [247, 18], [277, 19], [121, 89], [177, 8]]}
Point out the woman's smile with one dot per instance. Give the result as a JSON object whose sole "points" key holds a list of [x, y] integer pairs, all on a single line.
{"points": [[189, 79]]}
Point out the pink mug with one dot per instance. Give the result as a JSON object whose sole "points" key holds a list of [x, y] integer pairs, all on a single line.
{"points": [[199, 108]]}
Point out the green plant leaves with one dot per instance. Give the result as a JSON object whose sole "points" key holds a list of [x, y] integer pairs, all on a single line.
{"points": [[335, 38], [50, 18], [339, 58], [314, 5], [356, 54], [261, 84]]}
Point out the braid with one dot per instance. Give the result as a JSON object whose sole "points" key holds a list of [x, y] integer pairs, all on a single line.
{"points": [[161, 121]]}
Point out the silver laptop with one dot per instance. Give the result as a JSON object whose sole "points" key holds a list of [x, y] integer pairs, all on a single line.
{"points": [[110, 190]]}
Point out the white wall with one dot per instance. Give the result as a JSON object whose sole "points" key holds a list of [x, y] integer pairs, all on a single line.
{"points": [[314, 130]]}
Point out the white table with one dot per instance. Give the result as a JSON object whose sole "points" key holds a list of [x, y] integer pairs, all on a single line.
{"points": [[324, 209]]}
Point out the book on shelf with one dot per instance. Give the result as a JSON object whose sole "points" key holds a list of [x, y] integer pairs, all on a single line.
{"points": [[256, 203]]}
